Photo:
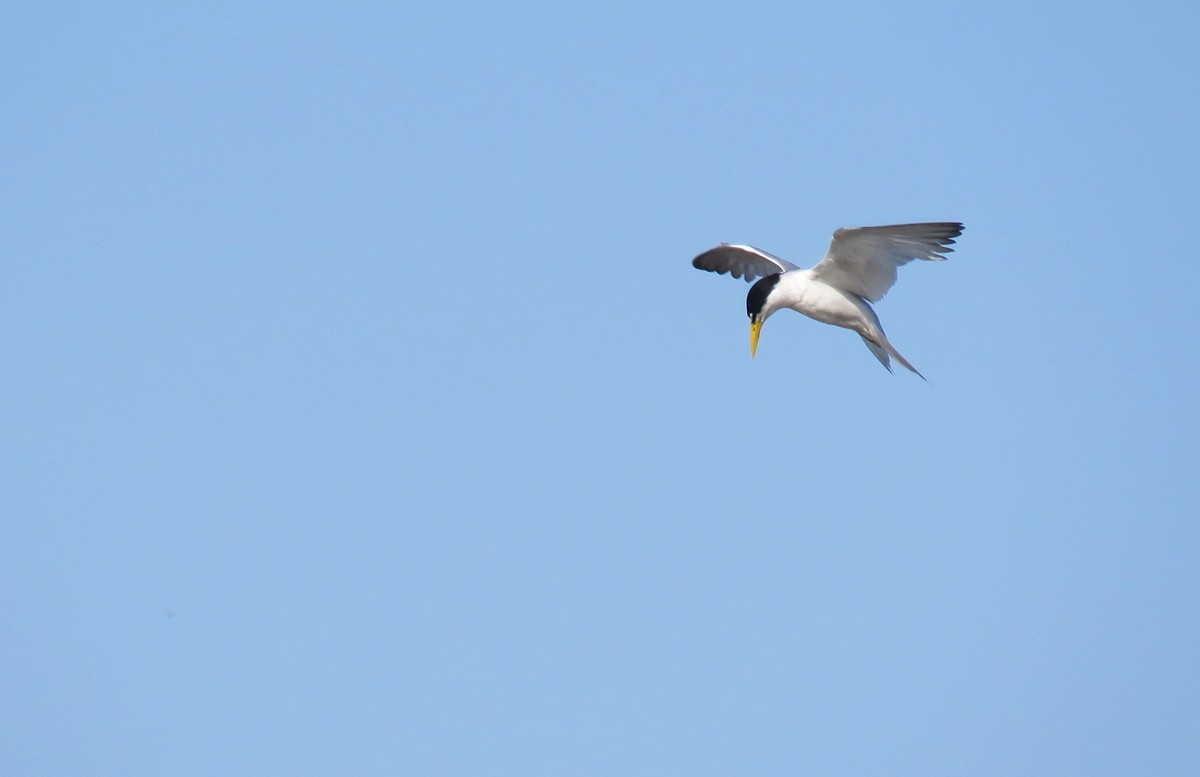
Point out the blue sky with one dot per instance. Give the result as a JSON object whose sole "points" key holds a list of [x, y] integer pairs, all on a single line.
{"points": [[364, 415]]}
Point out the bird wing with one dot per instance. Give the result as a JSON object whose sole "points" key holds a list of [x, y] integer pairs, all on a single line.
{"points": [[741, 262], [863, 260]]}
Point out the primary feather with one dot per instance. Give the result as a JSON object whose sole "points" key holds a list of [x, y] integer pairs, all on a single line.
{"points": [[741, 262], [863, 260]]}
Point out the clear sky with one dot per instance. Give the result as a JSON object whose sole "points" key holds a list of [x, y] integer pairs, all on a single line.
{"points": [[363, 415]]}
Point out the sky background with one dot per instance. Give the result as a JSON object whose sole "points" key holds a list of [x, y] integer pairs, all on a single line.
{"points": [[362, 413]]}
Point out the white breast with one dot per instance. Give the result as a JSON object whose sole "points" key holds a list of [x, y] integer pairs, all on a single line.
{"points": [[800, 292]]}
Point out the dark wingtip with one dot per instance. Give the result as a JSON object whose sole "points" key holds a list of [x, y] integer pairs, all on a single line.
{"points": [[701, 262], [953, 230], [698, 261]]}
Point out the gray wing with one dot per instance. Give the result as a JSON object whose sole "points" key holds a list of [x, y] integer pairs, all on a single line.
{"points": [[741, 262], [863, 260]]}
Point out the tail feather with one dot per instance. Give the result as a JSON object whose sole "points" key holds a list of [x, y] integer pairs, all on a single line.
{"points": [[881, 351]]}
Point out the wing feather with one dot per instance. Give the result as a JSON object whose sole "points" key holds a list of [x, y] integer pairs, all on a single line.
{"points": [[863, 260], [741, 262]]}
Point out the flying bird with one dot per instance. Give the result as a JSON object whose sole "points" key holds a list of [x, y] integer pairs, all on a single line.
{"points": [[859, 268]]}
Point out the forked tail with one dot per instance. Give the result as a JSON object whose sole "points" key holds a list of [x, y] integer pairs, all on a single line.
{"points": [[881, 351]]}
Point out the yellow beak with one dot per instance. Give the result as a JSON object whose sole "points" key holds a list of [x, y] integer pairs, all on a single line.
{"points": [[755, 327]]}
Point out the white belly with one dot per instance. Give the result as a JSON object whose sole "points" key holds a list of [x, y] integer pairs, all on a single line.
{"points": [[826, 304]]}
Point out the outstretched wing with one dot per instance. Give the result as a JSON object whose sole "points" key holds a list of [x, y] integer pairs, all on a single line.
{"points": [[863, 260], [741, 262]]}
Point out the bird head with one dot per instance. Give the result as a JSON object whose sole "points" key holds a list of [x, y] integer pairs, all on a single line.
{"points": [[759, 306]]}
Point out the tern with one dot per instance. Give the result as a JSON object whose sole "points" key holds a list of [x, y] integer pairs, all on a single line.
{"points": [[859, 268]]}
